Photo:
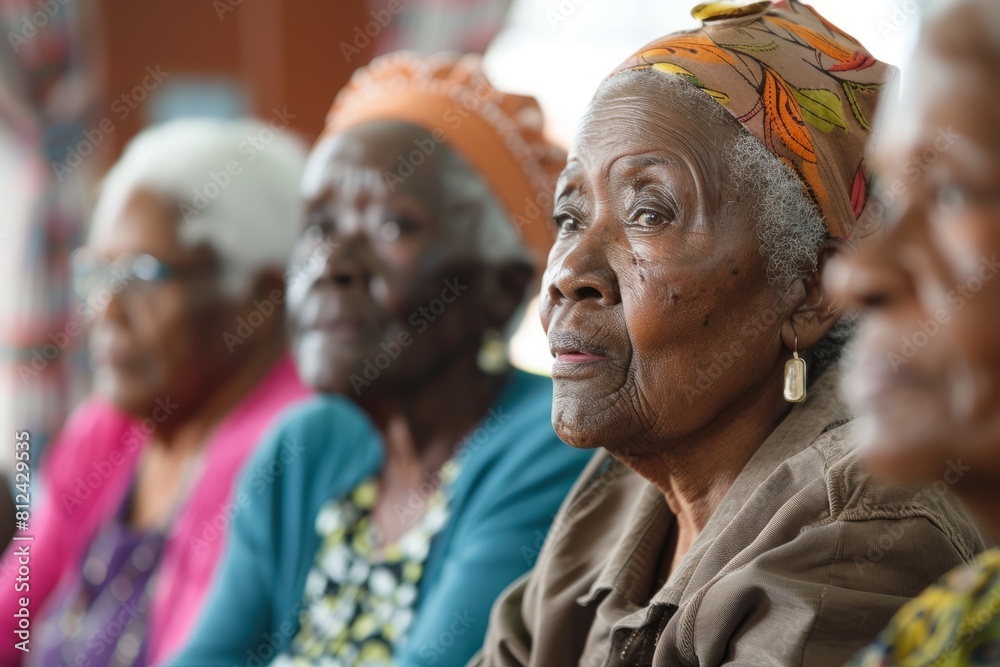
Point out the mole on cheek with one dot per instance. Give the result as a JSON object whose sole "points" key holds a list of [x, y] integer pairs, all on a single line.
{"points": [[735, 271], [704, 322]]}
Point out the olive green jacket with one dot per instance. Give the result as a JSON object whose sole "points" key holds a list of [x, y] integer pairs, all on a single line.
{"points": [[803, 563]]}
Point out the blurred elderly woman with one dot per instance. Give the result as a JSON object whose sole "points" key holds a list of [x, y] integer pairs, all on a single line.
{"points": [[182, 277], [727, 520], [931, 286], [404, 507]]}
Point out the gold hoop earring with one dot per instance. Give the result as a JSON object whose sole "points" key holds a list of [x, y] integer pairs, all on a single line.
{"points": [[795, 377]]}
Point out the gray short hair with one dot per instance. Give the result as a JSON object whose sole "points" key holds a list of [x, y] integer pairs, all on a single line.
{"points": [[489, 225], [789, 226], [491, 230], [235, 184]]}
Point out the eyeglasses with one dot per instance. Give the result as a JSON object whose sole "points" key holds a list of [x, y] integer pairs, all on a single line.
{"points": [[137, 272]]}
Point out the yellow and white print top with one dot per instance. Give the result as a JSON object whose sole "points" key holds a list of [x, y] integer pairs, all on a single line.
{"points": [[954, 622], [359, 596]]}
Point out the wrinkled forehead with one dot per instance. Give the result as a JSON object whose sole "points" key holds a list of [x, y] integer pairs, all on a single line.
{"points": [[376, 159], [636, 114]]}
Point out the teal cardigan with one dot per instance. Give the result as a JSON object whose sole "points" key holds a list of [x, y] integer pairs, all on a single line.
{"points": [[514, 475]]}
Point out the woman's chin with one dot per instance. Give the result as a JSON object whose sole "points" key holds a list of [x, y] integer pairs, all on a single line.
{"points": [[573, 435], [125, 392]]}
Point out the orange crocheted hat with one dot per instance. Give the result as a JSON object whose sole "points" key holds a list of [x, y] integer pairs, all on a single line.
{"points": [[499, 134]]}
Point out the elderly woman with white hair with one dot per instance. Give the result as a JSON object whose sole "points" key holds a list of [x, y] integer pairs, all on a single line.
{"points": [[183, 285]]}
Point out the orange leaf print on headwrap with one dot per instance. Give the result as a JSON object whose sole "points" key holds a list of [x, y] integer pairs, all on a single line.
{"points": [[783, 117], [859, 192], [694, 47], [860, 60], [815, 40]]}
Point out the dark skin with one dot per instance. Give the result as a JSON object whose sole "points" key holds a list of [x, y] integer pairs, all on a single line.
{"points": [[938, 406], [655, 268], [393, 251], [164, 341]]}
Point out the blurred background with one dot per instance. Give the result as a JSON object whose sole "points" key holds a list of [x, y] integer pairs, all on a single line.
{"points": [[78, 79]]}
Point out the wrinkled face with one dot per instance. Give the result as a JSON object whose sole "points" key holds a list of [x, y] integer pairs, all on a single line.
{"points": [[156, 340], [656, 300], [387, 285], [926, 372]]}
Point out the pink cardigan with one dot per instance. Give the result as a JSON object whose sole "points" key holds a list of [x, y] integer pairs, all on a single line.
{"points": [[86, 477]]}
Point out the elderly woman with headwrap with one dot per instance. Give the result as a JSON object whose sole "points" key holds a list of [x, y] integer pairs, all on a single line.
{"points": [[393, 515], [727, 520], [183, 286]]}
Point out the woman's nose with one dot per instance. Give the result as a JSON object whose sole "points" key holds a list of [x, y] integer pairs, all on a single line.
{"points": [[583, 271], [346, 266], [874, 277]]}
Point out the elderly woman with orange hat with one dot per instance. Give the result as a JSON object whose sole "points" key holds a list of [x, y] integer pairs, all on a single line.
{"points": [[727, 520], [382, 519]]}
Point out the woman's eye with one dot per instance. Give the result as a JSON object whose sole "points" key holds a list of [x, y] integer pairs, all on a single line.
{"points": [[565, 222], [390, 230], [648, 217], [395, 227], [950, 197]]}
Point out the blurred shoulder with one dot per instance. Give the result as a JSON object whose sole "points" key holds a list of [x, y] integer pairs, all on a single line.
{"points": [[94, 429], [854, 495], [324, 432]]}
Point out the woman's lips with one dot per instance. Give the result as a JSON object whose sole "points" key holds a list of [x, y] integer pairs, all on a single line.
{"points": [[578, 357], [573, 353]]}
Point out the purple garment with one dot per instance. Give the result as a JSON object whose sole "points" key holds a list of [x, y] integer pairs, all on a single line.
{"points": [[100, 617]]}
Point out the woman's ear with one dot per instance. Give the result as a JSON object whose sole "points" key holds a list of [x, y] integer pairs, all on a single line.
{"points": [[817, 312]]}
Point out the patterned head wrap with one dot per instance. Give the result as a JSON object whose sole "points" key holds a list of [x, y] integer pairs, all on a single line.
{"points": [[499, 134], [796, 82]]}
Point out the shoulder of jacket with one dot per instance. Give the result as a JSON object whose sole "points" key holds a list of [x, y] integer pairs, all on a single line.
{"points": [[854, 495]]}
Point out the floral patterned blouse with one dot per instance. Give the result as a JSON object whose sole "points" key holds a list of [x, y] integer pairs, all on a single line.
{"points": [[359, 596], [954, 622]]}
